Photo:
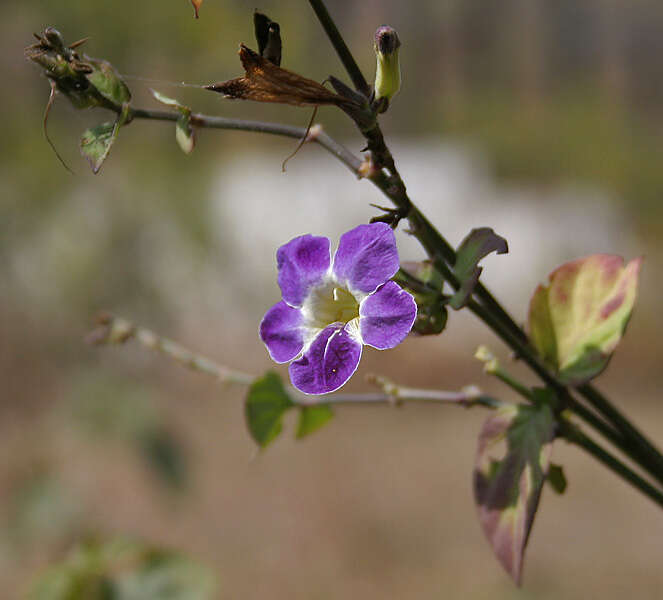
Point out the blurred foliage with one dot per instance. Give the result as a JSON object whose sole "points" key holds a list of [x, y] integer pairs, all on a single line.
{"points": [[40, 509], [125, 412], [123, 570]]}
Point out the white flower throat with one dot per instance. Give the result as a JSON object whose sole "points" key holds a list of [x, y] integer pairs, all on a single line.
{"points": [[330, 303]]}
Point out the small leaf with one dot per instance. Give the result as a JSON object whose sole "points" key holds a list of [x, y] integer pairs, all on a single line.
{"points": [[507, 487], [578, 319], [266, 403], [97, 142], [165, 99], [185, 134], [108, 82], [312, 418], [477, 245], [556, 478], [168, 101]]}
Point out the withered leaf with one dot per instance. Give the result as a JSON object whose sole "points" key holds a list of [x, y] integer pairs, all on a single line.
{"points": [[266, 82]]}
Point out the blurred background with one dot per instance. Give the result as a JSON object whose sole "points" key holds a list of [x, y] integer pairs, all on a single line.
{"points": [[541, 119]]}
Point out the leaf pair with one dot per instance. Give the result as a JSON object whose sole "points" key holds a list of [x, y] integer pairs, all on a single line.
{"points": [[267, 402]]}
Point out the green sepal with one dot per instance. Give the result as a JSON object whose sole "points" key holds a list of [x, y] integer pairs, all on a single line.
{"points": [[425, 283], [266, 403]]}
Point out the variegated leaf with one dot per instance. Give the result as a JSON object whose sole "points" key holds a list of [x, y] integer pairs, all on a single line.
{"points": [[507, 484], [578, 319]]}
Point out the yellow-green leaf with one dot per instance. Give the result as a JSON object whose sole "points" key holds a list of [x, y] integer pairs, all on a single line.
{"points": [[185, 134], [578, 319]]}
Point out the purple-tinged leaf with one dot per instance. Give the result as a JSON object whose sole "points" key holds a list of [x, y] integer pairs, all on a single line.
{"points": [[478, 244], [507, 485], [578, 319]]}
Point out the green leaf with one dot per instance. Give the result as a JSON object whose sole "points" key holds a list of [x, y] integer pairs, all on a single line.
{"points": [[266, 403], [578, 319], [556, 478], [108, 82], [477, 245], [97, 142], [184, 134], [170, 101], [312, 418], [507, 485]]}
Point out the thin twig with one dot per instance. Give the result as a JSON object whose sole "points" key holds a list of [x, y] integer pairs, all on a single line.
{"points": [[341, 47], [113, 330], [290, 131], [575, 436]]}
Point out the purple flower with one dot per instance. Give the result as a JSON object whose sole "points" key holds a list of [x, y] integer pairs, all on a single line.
{"points": [[331, 308]]}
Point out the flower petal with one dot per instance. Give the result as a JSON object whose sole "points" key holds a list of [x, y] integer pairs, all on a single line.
{"points": [[387, 316], [302, 264], [282, 333], [329, 362], [366, 257]]}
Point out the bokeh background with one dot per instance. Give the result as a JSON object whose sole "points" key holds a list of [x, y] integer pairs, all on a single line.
{"points": [[541, 119]]}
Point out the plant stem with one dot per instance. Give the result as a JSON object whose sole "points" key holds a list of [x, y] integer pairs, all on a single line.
{"points": [[624, 435], [575, 436], [116, 330], [206, 121], [341, 47]]}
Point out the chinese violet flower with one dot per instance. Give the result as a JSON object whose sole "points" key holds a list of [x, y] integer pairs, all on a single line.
{"points": [[332, 307]]}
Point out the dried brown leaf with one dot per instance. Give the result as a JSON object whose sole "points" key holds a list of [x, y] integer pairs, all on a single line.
{"points": [[266, 82]]}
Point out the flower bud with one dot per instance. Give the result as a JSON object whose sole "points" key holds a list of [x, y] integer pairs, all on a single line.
{"points": [[388, 71]]}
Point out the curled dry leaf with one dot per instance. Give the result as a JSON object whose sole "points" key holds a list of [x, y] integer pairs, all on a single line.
{"points": [[266, 82]]}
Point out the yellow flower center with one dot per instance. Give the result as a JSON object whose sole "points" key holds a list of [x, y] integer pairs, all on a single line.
{"points": [[329, 304]]}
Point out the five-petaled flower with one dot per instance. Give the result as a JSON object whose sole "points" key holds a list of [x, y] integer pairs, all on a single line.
{"points": [[331, 308]]}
